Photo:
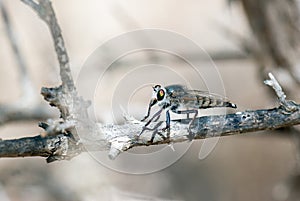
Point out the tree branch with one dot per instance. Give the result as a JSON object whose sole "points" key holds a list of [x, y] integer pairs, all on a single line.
{"points": [[119, 138]]}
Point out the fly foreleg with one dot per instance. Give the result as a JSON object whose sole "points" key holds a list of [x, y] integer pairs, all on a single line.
{"points": [[152, 102], [148, 113], [155, 116]]}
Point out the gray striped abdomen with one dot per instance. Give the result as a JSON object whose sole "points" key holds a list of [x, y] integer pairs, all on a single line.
{"points": [[210, 102], [203, 102]]}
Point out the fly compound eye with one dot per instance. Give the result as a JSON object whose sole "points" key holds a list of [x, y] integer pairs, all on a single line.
{"points": [[160, 94]]}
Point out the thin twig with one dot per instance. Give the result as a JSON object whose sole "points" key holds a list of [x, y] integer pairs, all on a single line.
{"points": [[13, 112], [28, 106], [289, 105], [273, 25], [28, 93], [14, 43]]}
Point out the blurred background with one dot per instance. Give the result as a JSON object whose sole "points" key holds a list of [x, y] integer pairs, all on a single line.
{"points": [[245, 39]]}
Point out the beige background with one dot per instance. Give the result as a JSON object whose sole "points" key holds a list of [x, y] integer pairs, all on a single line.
{"points": [[247, 167]]}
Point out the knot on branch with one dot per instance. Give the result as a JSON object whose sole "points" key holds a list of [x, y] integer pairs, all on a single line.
{"points": [[52, 95], [289, 106], [62, 148]]}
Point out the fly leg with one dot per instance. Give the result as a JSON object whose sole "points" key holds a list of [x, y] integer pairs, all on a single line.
{"points": [[155, 116], [191, 135], [152, 102], [188, 114], [148, 113], [168, 120]]}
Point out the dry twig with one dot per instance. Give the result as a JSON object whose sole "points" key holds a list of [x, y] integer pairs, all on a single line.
{"points": [[28, 106]]}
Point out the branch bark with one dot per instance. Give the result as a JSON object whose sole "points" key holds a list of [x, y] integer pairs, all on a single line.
{"points": [[53, 147]]}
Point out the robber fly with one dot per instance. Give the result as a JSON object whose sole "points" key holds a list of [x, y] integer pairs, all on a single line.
{"points": [[175, 97]]}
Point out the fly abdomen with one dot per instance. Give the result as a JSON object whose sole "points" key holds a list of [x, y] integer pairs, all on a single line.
{"points": [[210, 102]]}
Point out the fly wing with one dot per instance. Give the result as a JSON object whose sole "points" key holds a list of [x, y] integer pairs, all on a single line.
{"points": [[180, 95], [200, 99], [207, 94]]}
